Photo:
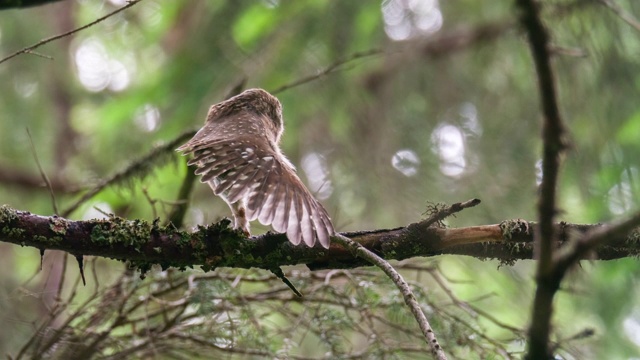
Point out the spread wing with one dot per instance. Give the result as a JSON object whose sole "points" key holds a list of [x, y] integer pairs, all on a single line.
{"points": [[247, 167]]}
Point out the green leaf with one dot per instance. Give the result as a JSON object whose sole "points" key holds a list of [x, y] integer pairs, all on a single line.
{"points": [[253, 24], [630, 131]]}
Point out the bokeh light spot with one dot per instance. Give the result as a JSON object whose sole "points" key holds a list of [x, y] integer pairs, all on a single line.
{"points": [[410, 19], [406, 161], [147, 118], [448, 143], [315, 168]]}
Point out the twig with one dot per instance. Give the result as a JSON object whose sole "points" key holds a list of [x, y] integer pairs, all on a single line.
{"points": [[472, 310], [44, 176], [410, 299], [152, 202], [80, 260], [277, 271], [553, 145], [176, 217], [626, 17], [328, 70], [441, 214], [30, 49], [63, 277], [579, 248], [40, 55], [583, 334]]}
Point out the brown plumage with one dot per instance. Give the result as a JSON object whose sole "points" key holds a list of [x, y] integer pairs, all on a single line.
{"points": [[237, 153]]}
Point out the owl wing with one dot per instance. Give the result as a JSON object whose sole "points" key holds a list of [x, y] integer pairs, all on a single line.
{"points": [[227, 128], [247, 167]]}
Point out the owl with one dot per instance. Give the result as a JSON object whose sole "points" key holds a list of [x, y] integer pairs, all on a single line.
{"points": [[237, 154]]}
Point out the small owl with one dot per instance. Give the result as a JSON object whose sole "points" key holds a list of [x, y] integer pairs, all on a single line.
{"points": [[237, 153]]}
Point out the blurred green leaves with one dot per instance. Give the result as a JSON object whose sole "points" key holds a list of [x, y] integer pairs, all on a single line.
{"points": [[182, 57]]}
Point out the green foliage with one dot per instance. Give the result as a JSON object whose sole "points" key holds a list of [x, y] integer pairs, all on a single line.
{"points": [[151, 73]]}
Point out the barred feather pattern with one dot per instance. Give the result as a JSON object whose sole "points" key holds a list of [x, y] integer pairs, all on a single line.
{"points": [[237, 154]]}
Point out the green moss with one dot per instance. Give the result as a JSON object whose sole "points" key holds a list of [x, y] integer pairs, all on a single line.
{"points": [[47, 242], [13, 233], [7, 214], [41, 239], [98, 236], [7, 217], [55, 240], [134, 233], [184, 239]]}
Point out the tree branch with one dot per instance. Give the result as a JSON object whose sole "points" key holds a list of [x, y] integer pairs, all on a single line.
{"points": [[409, 299], [625, 16], [554, 145], [216, 245], [29, 49], [579, 248]]}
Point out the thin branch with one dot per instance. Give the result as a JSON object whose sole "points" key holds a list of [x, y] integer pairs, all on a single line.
{"points": [[581, 247], [553, 133], [40, 55], [441, 214], [44, 176], [280, 275], [337, 65], [30, 49], [409, 299], [625, 16], [176, 217], [472, 310], [552, 128]]}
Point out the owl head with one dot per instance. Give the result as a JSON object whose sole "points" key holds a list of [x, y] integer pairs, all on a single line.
{"points": [[257, 101]]}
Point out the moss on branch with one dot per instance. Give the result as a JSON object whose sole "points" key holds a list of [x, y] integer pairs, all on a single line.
{"points": [[143, 243]]}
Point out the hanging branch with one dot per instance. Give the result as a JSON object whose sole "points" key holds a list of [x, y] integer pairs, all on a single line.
{"points": [[408, 296]]}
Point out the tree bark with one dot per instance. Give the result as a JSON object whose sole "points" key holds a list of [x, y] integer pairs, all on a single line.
{"points": [[144, 243]]}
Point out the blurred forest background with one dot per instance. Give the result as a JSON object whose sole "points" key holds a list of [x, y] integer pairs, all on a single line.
{"points": [[408, 102]]}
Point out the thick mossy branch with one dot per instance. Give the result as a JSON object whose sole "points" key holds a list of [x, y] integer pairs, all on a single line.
{"points": [[144, 243]]}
